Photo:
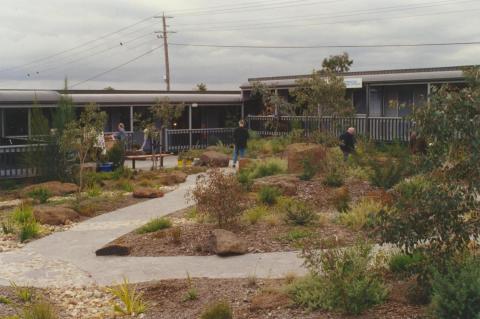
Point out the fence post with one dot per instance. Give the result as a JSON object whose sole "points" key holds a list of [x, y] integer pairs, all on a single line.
{"points": [[248, 122], [166, 139]]}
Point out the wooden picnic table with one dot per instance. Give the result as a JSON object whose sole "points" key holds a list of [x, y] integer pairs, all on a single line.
{"points": [[144, 157]]}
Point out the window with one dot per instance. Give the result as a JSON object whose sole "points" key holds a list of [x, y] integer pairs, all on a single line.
{"points": [[16, 122]]}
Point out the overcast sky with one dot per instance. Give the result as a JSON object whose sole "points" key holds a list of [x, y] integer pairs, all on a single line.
{"points": [[32, 32]]}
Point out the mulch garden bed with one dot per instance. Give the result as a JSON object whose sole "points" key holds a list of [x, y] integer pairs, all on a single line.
{"points": [[263, 299]]}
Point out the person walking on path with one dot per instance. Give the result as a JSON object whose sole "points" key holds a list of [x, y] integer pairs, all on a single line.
{"points": [[240, 138], [347, 142]]}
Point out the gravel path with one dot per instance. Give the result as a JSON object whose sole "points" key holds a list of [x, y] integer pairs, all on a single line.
{"points": [[68, 258]]}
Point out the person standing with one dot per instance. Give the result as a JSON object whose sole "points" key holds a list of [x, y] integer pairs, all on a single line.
{"points": [[347, 142], [120, 135], [240, 138]]}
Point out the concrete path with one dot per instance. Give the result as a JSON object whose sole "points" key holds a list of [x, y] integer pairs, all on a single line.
{"points": [[68, 258]]}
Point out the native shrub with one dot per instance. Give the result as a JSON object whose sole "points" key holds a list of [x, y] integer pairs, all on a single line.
{"points": [[220, 196], [116, 154], [387, 174], [363, 215], [255, 214], [41, 194], [341, 279], [407, 264], [29, 230], [299, 213], [456, 292], [23, 214], [268, 195], [309, 169], [341, 199], [218, 310]]}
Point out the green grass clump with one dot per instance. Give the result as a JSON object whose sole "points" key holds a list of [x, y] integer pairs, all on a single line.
{"points": [[4, 300], [23, 214], [219, 310], [268, 195], [29, 230], [155, 225], [255, 214], [39, 310], [125, 186], [298, 234], [8, 226], [94, 191], [363, 215], [41, 194], [25, 294], [334, 178], [131, 301]]}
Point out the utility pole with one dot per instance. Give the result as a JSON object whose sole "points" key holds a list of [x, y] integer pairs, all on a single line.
{"points": [[164, 35]]}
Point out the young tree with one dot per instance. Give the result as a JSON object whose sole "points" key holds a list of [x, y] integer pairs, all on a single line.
{"points": [[166, 113], [272, 103], [80, 136], [324, 92], [201, 87]]}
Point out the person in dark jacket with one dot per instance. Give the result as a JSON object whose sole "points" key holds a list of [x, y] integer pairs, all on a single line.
{"points": [[347, 142], [240, 138]]}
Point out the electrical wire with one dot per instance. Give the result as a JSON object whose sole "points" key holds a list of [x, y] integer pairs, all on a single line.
{"points": [[393, 45], [247, 26], [117, 67]]}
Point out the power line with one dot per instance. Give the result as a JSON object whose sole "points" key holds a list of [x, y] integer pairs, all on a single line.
{"points": [[77, 46], [117, 67], [396, 45], [345, 14]]}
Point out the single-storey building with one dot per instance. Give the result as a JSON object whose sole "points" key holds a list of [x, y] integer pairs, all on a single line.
{"points": [[383, 93]]}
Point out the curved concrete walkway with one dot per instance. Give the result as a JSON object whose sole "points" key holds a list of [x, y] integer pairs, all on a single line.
{"points": [[68, 258]]}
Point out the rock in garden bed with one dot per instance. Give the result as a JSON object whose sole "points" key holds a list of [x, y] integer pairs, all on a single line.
{"points": [[113, 250], [55, 188], [299, 152], [146, 192], [224, 243], [287, 184], [55, 215], [214, 159]]}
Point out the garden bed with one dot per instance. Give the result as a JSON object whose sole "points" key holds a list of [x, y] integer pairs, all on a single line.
{"points": [[261, 237]]}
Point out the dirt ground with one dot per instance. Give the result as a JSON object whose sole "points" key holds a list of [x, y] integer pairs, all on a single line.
{"points": [[251, 300]]}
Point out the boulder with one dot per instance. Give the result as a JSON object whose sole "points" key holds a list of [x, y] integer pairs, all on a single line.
{"points": [[244, 162], [214, 159], [113, 250], [56, 188], [297, 153], [224, 243], [55, 215], [147, 192], [287, 184], [175, 177]]}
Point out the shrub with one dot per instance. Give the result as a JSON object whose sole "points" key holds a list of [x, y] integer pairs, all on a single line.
{"points": [[362, 215], [219, 310], [29, 230], [341, 199], [245, 179], [131, 300], [404, 263], [341, 279], [456, 293], [387, 174], [333, 178], [299, 213], [268, 195], [116, 154], [125, 185], [8, 226], [25, 294], [4, 300], [94, 191], [41, 194], [176, 235], [255, 214], [219, 196], [192, 292], [309, 169], [154, 225], [39, 310], [298, 234], [23, 214]]}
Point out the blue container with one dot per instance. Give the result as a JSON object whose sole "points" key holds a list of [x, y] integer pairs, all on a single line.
{"points": [[105, 167]]}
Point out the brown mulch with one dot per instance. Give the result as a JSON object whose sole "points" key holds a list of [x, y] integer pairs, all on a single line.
{"points": [[263, 299], [315, 192], [260, 238]]}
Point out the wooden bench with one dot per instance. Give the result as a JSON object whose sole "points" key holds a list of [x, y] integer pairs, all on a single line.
{"points": [[134, 158]]}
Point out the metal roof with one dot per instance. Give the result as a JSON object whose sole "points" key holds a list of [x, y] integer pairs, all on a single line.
{"points": [[443, 74], [25, 98]]}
